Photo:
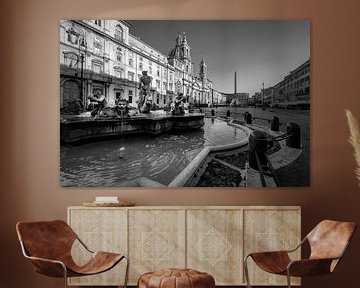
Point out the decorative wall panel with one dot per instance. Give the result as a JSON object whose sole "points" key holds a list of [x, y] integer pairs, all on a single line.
{"points": [[270, 230], [214, 241], [156, 240], [100, 230]]}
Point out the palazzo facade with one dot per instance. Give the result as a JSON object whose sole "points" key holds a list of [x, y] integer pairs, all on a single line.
{"points": [[102, 55]]}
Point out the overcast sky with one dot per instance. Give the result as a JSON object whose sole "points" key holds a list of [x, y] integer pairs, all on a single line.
{"points": [[260, 51]]}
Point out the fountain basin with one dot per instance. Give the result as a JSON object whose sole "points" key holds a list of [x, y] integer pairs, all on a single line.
{"points": [[74, 130]]}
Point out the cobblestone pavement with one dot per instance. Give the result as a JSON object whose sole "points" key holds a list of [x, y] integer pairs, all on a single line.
{"points": [[297, 174]]}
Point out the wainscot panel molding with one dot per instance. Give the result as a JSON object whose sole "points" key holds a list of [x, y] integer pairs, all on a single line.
{"points": [[211, 239]]}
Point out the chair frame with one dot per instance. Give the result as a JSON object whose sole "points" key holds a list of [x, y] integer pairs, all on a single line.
{"points": [[305, 239], [26, 255]]}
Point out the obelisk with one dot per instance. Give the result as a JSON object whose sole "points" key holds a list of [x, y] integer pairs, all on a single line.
{"points": [[235, 84]]}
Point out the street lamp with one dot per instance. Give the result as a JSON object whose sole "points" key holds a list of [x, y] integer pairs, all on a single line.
{"points": [[202, 91], [183, 80], [82, 51]]}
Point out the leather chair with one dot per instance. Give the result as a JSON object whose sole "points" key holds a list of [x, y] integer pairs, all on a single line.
{"points": [[328, 242], [48, 245]]}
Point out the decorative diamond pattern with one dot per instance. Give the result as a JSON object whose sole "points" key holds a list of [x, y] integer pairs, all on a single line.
{"points": [[213, 246], [98, 240], [156, 246], [269, 241]]}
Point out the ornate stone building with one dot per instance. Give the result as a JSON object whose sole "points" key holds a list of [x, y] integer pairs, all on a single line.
{"points": [[293, 91], [103, 55]]}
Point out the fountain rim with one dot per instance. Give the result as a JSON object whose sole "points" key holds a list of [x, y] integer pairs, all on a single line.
{"points": [[184, 176]]}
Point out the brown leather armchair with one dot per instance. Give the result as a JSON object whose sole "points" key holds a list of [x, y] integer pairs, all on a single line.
{"points": [[328, 242], [48, 245]]}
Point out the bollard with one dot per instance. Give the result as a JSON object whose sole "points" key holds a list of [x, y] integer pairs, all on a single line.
{"points": [[248, 118], [257, 142], [228, 113], [245, 115], [275, 123], [295, 140], [212, 112]]}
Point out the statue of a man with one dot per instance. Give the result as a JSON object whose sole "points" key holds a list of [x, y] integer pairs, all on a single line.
{"points": [[144, 86], [177, 107], [97, 102]]}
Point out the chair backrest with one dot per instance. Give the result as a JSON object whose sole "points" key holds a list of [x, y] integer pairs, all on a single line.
{"points": [[46, 239], [329, 239]]}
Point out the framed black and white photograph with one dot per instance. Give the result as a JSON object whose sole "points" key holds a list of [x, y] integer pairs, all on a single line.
{"points": [[193, 103]]}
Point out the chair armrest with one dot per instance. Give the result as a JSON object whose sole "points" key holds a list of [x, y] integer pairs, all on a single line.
{"points": [[48, 267], [84, 245], [309, 267], [268, 253], [281, 251], [46, 260], [298, 246]]}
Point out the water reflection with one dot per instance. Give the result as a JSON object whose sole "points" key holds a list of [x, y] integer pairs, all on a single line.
{"points": [[158, 158]]}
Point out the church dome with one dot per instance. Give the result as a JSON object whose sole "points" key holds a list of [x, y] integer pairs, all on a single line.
{"points": [[172, 53]]}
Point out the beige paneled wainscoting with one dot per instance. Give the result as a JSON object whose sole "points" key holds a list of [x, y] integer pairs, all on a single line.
{"points": [[210, 239]]}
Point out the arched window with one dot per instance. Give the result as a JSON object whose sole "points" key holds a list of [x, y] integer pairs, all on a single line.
{"points": [[119, 33]]}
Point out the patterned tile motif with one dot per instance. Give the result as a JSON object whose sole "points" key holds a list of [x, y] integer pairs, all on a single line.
{"points": [[99, 240], [101, 230], [270, 230], [214, 243], [269, 241], [156, 246], [213, 246], [157, 241]]}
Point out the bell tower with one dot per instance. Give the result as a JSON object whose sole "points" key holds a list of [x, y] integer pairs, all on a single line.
{"points": [[203, 69], [185, 54]]}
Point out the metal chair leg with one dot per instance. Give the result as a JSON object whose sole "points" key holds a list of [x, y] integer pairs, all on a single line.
{"points": [[246, 270], [288, 278], [127, 271], [65, 275]]}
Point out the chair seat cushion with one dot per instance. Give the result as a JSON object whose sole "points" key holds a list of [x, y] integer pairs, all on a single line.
{"points": [[176, 278]]}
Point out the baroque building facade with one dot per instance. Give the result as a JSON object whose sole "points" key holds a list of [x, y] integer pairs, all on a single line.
{"points": [[293, 91], [102, 55]]}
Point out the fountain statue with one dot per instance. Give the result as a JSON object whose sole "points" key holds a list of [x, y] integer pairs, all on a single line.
{"points": [[97, 102], [120, 120], [145, 100], [177, 106], [100, 108], [120, 110]]}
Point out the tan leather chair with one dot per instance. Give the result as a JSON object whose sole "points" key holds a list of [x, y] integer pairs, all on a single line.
{"points": [[328, 242], [48, 245]]}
